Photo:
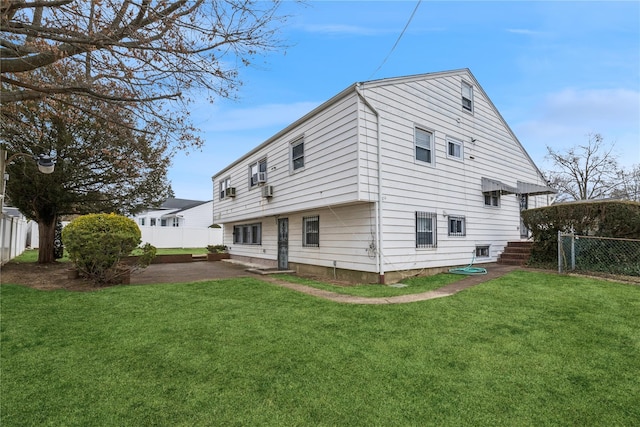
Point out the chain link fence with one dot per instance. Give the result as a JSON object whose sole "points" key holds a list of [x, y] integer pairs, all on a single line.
{"points": [[591, 254]]}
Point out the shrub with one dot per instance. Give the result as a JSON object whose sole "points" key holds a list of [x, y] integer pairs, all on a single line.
{"points": [[602, 218], [97, 242], [217, 249]]}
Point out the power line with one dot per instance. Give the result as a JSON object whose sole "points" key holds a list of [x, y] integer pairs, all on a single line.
{"points": [[398, 40]]}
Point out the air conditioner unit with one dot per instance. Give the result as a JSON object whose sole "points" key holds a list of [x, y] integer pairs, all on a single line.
{"points": [[267, 191], [230, 192], [262, 177]]}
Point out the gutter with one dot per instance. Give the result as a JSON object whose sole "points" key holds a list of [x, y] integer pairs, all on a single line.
{"points": [[380, 244]]}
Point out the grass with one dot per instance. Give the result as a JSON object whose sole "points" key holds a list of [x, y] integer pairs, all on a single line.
{"points": [[526, 349], [414, 285], [31, 255]]}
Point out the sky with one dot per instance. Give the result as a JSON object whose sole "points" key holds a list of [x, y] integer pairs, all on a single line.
{"points": [[556, 72]]}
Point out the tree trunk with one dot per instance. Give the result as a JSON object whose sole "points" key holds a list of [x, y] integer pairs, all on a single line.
{"points": [[47, 231]]}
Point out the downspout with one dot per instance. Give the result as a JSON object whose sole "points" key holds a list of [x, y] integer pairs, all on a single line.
{"points": [[380, 258]]}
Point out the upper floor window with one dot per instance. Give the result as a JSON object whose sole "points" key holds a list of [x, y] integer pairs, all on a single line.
{"points": [[454, 149], [457, 226], [175, 222], [467, 96], [311, 231], [492, 198], [297, 154], [141, 221], [424, 146], [258, 172], [426, 230], [224, 184]]}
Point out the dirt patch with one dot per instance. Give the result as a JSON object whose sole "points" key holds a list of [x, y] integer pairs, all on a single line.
{"points": [[43, 276]]}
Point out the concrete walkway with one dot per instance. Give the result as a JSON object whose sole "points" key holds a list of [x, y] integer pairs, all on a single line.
{"points": [[196, 271], [493, 271]]}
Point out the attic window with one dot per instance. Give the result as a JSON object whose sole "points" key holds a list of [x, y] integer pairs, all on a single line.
{"points": [[467, 97]]}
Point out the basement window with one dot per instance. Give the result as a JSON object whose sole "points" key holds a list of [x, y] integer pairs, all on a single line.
{"points": [[482, 251]]}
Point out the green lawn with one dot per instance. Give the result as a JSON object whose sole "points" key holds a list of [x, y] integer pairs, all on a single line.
{"points": [[31, 255], [528, 349]]}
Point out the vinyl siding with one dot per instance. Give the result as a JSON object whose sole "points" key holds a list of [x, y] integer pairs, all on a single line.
{"points": [[329, 177], [340, 179], [345, 236]]}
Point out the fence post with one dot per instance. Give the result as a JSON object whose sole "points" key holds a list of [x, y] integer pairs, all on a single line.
{"points": [[559, 252], [573, 252]]}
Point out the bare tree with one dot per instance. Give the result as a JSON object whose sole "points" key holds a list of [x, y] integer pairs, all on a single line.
{"points": [[628, 184], [135, 52], [584, 172]]}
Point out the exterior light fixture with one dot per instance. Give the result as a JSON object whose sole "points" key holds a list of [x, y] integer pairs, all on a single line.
{"points": [[46, 164]]}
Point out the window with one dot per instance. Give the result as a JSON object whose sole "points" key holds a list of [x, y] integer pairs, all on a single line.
{"points": [[153, 222], [311, 231], [247, 234], [482, 251], [224, 184], [297, 154], [163, 222], [457, 226], [257, 172], [454, 149], [492, 198], [467, 97], [424, 146], [141, 221], [426, 230], [175, 222]]}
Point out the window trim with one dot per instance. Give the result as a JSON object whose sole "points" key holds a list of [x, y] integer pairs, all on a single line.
{"points": [[259, 166], [453, 141], [241, 231], [308, 242], [430, 150], [492, 195], [462, 229], [433, 230], [224, 184], [480, 249], [295, 143], [469, 109]]}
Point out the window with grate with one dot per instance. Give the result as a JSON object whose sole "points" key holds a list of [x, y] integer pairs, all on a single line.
{"points": [[426, 230], [457, 226], [311, 231]]}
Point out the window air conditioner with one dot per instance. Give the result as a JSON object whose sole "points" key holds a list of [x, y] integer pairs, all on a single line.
{"points": [[267, 191], [262, 177], [230, 192]]}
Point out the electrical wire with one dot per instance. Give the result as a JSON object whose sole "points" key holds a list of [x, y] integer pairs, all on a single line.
{"points": [[398, 40]]}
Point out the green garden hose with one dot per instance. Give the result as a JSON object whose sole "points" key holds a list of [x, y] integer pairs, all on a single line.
{"points": [[469, 269]]}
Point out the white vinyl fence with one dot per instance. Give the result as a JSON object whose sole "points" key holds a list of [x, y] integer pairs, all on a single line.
{"points": [[14, 232], [181, 237]]}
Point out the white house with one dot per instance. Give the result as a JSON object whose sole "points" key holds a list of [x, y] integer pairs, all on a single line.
{"points": [[179, 223], [388, 178], [177, 213]]}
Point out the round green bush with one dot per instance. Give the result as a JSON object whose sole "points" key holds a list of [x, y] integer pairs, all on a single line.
{"points": [[97, 242]]}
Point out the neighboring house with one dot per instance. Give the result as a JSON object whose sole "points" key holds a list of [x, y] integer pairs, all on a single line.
{"points": [[179, 223], [177, 213], [388, 178]]}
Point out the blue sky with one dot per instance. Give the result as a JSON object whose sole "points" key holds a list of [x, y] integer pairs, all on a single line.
{"points": [[556, 71]]}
